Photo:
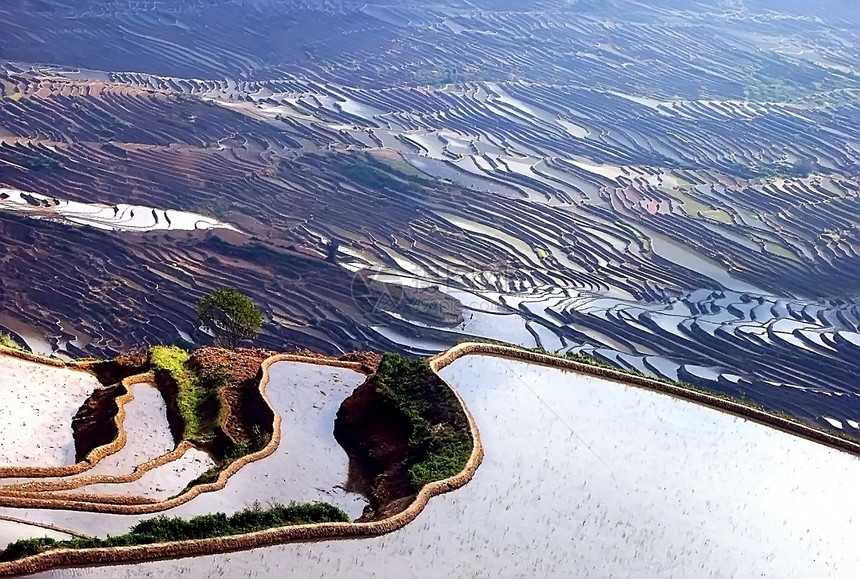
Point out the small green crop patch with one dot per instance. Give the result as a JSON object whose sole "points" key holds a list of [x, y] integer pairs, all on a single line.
{"points": [[164, 529], [440, 440], [7, 342], [376, 172], [40, 162], [398, 166], [193, 393]]}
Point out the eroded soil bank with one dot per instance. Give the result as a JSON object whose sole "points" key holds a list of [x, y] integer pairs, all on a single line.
{"points": [[375, 436], [94, 425], [402, 429]]}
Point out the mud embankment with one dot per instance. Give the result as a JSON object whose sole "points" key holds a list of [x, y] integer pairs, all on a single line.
{"points": [[375, 436], [94, 425]]}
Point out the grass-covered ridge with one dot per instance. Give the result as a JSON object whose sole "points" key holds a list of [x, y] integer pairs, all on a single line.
{"points": [[196, 387], [7, 342], [192, 391], [440, 440], [164, 529]]}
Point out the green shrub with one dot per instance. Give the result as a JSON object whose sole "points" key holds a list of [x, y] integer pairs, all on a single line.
{"points": [[26, 548], [169, 358], [163, 529], [440, 441], [7, 342], [449, 451], [231, 316]]}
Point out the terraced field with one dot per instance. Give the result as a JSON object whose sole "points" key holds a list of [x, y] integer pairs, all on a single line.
{"points": [[538, 427], [587, 477], [671, 188], [308, 464], [36, 419]]}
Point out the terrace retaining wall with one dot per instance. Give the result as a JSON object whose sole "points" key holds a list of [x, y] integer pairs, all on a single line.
{"points": [[79, 365], [96, 454], [135, 505], [74, 483], [30, 357], [40, 525], [295, 533]]}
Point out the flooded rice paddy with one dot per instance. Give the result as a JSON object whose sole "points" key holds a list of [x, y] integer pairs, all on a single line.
{"points": [[147, 431], [160, 483], [119, 217], [39, 403], [308, 465], [584, 477], [629, 209], [147, 437]]}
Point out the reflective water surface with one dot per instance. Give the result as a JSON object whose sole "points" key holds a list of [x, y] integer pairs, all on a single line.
{"points": [[588, 478]]}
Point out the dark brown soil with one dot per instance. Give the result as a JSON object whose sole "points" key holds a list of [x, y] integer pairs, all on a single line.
{"points": [[94, 425], [249, 414], [375, 436], [368, 360], [111, 372]]}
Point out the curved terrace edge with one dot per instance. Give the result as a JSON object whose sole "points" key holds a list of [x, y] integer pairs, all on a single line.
{"points": [[331, 531]]}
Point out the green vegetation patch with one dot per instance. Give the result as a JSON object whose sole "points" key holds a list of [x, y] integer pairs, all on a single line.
{"points": [[397, 165], [40, 163], [7, 342], [230, 315], [798, 169], [440, 440], [441, 76], [372, 177], [377, 172], [193, 394], [197, 401], [163, 529]]}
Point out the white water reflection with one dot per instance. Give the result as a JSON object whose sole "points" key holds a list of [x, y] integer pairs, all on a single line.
{"points": [[120, 217], [39, 403], [589, 478], [673, 251], [308, 465]]}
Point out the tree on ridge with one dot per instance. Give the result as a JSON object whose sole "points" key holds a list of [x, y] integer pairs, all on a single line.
{"points": [[230, 316]]}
